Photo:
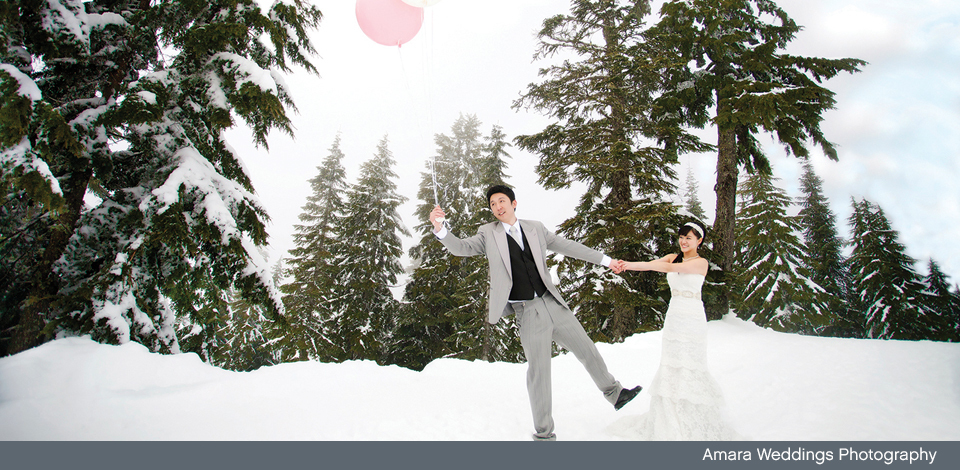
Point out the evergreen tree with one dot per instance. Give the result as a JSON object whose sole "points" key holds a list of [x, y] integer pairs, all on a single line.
{"points": [[19, 215], [446, 297], [475, 337], [727, 55], [774, 287], [890, 293], [944, 302], [129, 100], [247, 343], [369, 260], [824, 257], [311, 296], [610, 135], [492, 164], [691, 200]]}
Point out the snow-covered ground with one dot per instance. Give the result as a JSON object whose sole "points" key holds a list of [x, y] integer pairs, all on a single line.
{"points": [[778, 387]]}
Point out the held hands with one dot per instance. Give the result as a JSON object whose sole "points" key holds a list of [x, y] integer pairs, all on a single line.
{"points": [[436, 218], [618, 266]]}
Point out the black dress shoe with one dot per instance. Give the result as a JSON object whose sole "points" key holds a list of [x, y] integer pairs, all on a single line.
{"points": [[626, 395]]}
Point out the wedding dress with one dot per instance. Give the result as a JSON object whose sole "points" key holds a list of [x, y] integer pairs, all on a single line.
{"points": [[685, 400]]}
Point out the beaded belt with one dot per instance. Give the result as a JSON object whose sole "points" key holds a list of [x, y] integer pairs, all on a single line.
{"points": [[685, 293]]}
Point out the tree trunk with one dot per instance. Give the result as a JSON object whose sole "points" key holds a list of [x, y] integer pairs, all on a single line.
{"points": [[724, 229], [29, 331], [487, 338], [624, 321]]}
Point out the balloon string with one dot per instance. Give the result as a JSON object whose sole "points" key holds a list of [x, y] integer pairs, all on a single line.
{"points": [[433, 170], [427, 71], [433, 161], [429, 63]]}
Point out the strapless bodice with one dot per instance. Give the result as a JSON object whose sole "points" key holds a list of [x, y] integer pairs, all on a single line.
{"points": [[685, 285]]}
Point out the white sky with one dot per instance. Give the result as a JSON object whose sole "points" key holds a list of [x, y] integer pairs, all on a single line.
{"points": [[897, 123]]}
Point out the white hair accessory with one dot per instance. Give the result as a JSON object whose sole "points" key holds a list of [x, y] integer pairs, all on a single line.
{"points": [[695, 227]]}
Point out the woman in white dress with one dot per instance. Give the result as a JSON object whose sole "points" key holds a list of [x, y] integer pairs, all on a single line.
{"points": [[685, 400]]}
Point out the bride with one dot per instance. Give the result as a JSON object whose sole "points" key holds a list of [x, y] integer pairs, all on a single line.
{"points": [[685, 400]]}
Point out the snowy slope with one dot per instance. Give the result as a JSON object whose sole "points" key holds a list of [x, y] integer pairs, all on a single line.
{"points": [[778, 387]]}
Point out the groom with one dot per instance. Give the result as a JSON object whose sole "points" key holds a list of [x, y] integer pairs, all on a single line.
{"points": [[521, 285]]}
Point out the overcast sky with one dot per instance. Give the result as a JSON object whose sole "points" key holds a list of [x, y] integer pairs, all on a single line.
{"points": [[896, 126]]}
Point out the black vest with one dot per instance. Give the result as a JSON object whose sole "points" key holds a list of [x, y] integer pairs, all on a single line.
{"points": [[526, 277]]}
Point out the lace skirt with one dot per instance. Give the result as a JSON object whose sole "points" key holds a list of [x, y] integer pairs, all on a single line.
{"points": [[685, 400]]}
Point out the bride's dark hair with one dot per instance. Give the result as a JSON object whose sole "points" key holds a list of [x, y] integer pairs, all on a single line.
{"points": [[685, 229]]}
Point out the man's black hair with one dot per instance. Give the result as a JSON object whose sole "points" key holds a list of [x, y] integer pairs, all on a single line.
{"points": [[499, 188]]}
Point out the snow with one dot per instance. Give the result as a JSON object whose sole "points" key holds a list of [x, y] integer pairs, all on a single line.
{"points": [[196, 173], [777, 386], [115, 312], [257, 266], [147, 97], [218, 99], [248, 71], [22, 155], [100, 20], [58, 18], [28, 87]]}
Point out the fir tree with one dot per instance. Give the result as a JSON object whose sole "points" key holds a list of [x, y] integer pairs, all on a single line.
{"points": [[610, 135], [944, 302], [890, 293], [129, 100], [19, 215], [369, 260], [493, 164], [247, 342], [311, 296], [500, 342], [727, 55], [692, 201], [824, 257], [446, 297], [775, 288], [474, 337]]}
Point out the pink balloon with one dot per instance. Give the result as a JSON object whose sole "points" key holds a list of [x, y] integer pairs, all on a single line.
{"points": [[389, 22], [421, 3]]}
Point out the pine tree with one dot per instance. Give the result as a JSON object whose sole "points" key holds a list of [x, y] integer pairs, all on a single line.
{"points": [[890, 293], [129, 100], [774, 287], [824, 257], [369, 260], [614, 136], [446, 296], [944, 302], [474, 337], [247, 342], [501, 341], [19, 215], [238, 337], [492, 164], [311, 296], [727, 55], [692, 201]]}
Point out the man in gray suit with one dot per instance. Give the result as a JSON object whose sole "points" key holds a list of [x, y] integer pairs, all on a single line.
{"points": [[521, 285]]}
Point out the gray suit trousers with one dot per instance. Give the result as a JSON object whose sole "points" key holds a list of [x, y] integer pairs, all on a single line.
{"points": [[542, 321]]}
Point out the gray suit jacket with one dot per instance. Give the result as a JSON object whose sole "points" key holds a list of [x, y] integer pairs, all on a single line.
{"points": [[491, 240]]}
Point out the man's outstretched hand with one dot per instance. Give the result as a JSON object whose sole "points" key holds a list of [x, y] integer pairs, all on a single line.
{"points": [[436, 217]]}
